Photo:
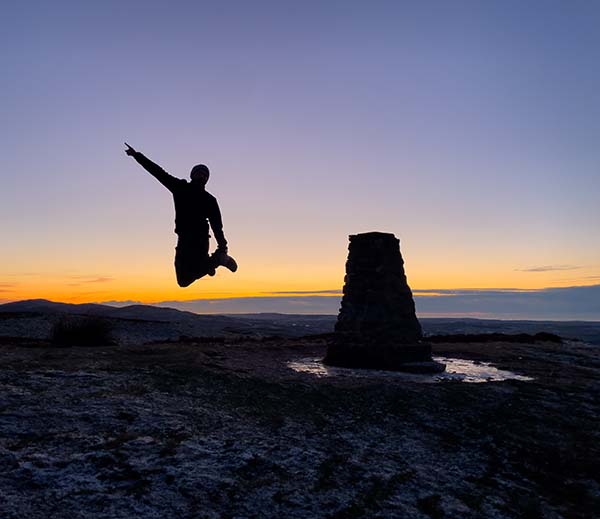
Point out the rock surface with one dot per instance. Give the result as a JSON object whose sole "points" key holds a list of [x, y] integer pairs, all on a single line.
{"points": [[377, 326], [228, 430]]}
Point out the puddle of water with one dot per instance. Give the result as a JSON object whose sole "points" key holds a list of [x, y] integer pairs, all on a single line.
{"points": [[460, 370]]}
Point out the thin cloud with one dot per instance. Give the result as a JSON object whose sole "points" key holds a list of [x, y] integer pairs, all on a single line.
{"points": [[582, 279], [101, 280], [82, 280], [77, 278], [469, 291], [334, 291], [549, 268]]}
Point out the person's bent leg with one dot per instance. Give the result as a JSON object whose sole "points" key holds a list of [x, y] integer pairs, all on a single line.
{"points": [[183, 274], [207, 266], [185, 262], [192, 261], [203, 262]]}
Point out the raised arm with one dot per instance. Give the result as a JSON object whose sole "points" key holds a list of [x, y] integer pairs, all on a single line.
{"points": [[155, 170]]}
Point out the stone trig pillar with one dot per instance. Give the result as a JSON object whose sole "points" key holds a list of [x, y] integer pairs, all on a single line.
{"points": [[377, 326]]}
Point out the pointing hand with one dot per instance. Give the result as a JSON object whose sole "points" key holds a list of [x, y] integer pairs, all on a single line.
{"points": [[130, 151]]}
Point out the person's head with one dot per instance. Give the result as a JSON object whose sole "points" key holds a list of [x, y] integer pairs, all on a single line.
{"points": [[200, 174]]}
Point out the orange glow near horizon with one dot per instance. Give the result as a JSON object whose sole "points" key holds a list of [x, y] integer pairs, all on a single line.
{"points": [[154, 287], [142, 271]]}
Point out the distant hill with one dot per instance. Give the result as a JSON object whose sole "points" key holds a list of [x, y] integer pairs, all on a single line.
{"points": [[144, 312], [587, 331], [43, 305], [144, 323]]}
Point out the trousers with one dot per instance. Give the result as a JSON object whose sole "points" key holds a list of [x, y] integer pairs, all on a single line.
{"points": [[192, 260]]}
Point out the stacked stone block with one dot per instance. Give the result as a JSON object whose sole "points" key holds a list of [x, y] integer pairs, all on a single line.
{"points": [[377, 326]]}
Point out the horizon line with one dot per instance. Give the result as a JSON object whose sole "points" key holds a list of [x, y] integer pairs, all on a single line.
{"points": [[322, 293]]}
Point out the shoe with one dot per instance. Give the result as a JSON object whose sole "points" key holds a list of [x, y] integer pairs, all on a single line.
{"points": [[226, 261]]}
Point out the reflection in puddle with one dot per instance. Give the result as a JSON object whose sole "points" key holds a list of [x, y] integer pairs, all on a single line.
{"points": [[456, 369]]}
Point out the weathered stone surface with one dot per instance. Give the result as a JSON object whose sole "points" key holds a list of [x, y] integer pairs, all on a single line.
{"points": [[377, 326]]}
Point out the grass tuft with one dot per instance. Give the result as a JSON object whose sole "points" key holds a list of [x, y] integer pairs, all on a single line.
{"points": [[81, 331]]}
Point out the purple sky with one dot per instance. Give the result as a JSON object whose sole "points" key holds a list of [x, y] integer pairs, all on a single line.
{"points": [[469, 129]]}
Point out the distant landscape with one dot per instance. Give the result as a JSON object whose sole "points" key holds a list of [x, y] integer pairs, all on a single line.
{"points": [[139, 324]]}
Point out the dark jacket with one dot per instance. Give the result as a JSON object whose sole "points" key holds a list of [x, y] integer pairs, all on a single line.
{"points": [[193, 204]]}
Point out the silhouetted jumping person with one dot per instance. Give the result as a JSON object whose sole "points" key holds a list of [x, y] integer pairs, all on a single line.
{"points": [[194, 209]]}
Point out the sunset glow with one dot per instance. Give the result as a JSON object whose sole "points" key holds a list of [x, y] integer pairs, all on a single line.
{"points": [[470, 135]]}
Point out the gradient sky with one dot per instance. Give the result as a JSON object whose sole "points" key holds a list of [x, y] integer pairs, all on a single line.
{"points": [[468, 129]]}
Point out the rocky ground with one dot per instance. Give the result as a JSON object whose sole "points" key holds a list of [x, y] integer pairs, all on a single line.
{"points": [[224, 428]]}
